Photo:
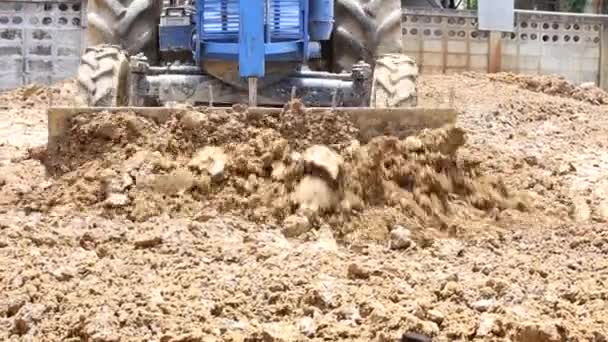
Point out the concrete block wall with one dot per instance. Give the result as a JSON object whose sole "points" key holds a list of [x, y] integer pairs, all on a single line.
{"points": [[562, 44], [566, 45], [40, 41], [444, 42]]}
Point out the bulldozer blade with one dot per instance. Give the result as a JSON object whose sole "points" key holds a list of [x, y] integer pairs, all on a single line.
{"points": [[398, 122], [59, 118], [371, 122]]}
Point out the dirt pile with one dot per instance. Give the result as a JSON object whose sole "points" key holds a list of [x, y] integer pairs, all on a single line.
{"points": [[39, 96], [554, 85], [23, 113], [296, 168], [77, 265]]}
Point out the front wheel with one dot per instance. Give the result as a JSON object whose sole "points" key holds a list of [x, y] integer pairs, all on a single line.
{"points": [[103, 77], [394, 83]]}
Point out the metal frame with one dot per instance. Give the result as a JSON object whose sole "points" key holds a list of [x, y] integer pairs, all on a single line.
{"points": [[188, 84]]}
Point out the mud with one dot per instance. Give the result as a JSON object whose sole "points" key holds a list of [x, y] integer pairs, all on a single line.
{"points": [[228, 226]]}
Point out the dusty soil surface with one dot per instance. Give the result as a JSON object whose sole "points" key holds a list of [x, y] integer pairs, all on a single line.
{"points": [[229, 226]]}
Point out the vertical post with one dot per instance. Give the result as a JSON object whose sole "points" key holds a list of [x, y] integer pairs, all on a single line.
{"points": [[444, 46], [603, 79], [452, 97], [334, 99], [495, 17], [253, 91], [252, 49], [495, 52], [210, 95], [293, 93], [84, 7], [49, 92]]}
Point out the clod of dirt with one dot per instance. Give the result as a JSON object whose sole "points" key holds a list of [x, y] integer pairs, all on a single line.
{"points": [[358, 271], [30, 90], [435, 316], [533, 332], [401, 238], [413, 144], [314, 195], [602, 211], [307, 326], [323, 158], [488, 325], [275, 332], [10, 306], [278, 171], [101, 326], [483, 305], [148, 241], [295, 225], [580, 210], [27, 316], [564, 169], [63, 273], [193, 120], [349, 313], [415, 337], [115, 200], [210, 159]]}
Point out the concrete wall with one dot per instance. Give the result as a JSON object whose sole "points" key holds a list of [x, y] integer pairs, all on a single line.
{"points": [[40, 41], [568, 45]]}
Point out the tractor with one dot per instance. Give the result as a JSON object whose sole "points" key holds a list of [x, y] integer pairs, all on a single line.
{"points": [[341, 54], [263, 52]]}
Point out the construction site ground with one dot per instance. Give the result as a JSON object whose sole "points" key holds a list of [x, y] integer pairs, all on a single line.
{"points": [[228, 226]]}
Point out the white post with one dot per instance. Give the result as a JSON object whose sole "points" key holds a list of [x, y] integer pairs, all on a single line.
{"points": [[210, 95], [334, 99], [253, 91]]}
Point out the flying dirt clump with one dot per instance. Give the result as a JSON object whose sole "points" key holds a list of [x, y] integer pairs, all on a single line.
{"points": [[424, 179], [269, 169]]}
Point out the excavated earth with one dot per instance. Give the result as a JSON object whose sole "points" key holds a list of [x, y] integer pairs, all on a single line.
{"points": [[226, 225]]}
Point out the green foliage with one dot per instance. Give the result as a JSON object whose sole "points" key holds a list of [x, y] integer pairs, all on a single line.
{"points": [[576, 5]]}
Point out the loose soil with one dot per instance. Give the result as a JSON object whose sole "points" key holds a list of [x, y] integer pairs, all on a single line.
{"points": [[222, 225]]}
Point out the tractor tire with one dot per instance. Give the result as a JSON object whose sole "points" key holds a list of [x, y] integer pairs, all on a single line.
{"points": [[103, 77], [364, 30], [394, 83], [131, 24]]}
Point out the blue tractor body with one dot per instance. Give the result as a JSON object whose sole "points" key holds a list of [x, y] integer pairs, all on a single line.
{"points": [[228, 45], [249, 32]]}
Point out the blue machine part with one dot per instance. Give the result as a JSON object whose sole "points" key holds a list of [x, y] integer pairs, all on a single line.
{"points": [[175, 38], [175, 32], [251, 39], [321, 19], [257, 31], [284, 30]]}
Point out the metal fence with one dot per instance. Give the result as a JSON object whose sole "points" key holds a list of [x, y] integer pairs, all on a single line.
{"points": [[40, 41]]}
